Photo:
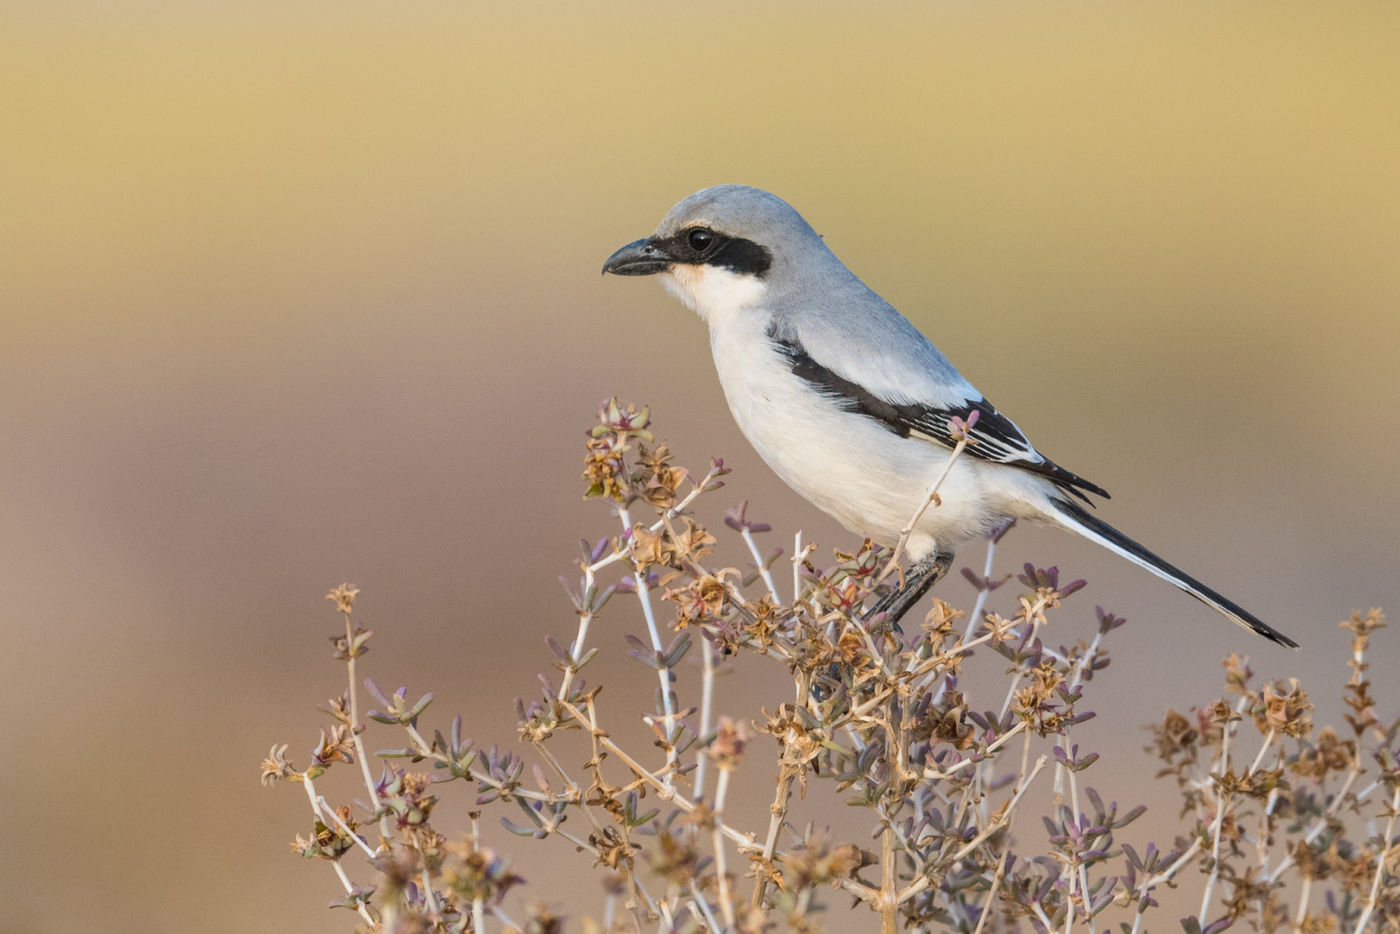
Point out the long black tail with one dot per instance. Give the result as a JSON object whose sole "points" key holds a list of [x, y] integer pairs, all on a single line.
{"points": [[1076, 518]]}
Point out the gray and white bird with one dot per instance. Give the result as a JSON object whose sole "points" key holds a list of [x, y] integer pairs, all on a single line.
{"points": [[851, 405]]}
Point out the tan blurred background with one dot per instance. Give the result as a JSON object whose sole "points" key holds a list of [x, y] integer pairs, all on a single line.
{"points": [[298, 293]]}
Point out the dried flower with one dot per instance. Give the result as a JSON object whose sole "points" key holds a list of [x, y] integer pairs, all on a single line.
{"points": [[1281, 710]]}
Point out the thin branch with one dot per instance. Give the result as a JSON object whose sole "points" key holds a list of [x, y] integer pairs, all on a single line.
{"points": [[1381, 858], [761, 564], [929, 500]]}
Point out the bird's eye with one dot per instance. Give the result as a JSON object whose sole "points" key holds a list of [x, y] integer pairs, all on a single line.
{"points": [[700, 239]]}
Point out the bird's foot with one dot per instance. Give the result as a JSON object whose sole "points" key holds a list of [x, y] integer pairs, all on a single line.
{"points": [[913, 584]]}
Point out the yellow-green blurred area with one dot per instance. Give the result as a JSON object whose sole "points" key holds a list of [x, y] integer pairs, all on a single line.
{"points": [[296, 293]]}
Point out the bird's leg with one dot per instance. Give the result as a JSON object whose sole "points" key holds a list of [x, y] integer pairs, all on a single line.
{"points": [[922, 575]]}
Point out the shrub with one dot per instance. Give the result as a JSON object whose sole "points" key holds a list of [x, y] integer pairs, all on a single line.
{"points": [[1281, 825]]}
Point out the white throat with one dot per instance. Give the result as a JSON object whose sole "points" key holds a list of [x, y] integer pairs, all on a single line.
{"points": [[714, 293]]}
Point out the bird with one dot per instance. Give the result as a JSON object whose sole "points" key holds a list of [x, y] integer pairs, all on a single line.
{"points": [[853, 407]]}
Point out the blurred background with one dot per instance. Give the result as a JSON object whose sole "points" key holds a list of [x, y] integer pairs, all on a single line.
{"points": [[299, 293]]}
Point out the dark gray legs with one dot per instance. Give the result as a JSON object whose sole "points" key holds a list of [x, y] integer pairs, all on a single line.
{"points": [[922, 575]]}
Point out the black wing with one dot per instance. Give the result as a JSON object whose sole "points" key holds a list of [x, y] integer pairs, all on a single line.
{"points": [[996, 437]]}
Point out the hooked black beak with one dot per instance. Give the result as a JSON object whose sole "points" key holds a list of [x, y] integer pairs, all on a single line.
{"points": [[643, 257]]}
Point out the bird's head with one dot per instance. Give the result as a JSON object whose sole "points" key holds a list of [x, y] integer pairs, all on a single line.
{"points": [[719, 249]]}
